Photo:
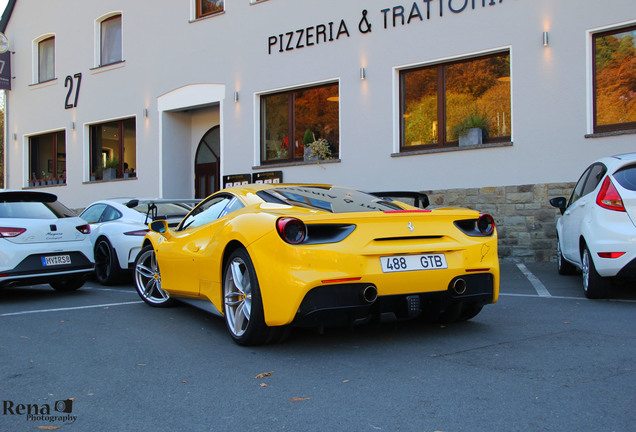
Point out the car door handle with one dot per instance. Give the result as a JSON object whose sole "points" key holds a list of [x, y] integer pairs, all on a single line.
{"points": [[194, 247]]}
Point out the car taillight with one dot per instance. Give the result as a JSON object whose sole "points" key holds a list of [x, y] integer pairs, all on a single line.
{"points": [[291, 230], [611, 255], [11, 232], [84, 229], [486, 224], [608, 197], [141, 232]]}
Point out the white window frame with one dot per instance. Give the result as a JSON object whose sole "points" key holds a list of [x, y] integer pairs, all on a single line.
{"points": [[257, 115], [98, 38], [396, 90], [589, 59], [36, 58], [193, 11], [86, 127]]}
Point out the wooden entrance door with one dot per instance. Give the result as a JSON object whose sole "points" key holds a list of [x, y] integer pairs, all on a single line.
{"points": [[207, 164]]}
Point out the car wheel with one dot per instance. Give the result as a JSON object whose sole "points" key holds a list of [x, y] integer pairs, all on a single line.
{"points": [[68, 284], [563, 266], [242, 304], [107, 270], [148, 279], [594, 285]]}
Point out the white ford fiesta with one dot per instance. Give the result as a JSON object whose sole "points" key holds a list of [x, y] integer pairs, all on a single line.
{"points": [[597, 229], [42, 241]]}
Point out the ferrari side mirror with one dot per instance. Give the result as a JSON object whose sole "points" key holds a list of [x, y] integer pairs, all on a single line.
{"points": [[160, 227]]}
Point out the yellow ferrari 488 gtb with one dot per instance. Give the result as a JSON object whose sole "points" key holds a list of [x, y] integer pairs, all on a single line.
{"points": [[271, 256]]}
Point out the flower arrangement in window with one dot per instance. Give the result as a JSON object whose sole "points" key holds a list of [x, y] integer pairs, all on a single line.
{"points": [[319, 150]]}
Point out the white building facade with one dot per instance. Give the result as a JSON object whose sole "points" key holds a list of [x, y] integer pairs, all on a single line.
{"points": [[167, 98]]}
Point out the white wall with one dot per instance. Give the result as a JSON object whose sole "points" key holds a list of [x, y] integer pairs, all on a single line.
{"points": [[164, 51]]}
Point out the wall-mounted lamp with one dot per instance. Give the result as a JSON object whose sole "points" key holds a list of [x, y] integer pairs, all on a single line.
{"points": [[545, 38], [236, 96], [146, 112], [363, 73]]}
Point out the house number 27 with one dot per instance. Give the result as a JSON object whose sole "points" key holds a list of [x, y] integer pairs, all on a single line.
{"points": [[71, 102]]}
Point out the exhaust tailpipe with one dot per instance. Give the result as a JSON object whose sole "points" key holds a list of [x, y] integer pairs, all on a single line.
{"points": [[459, 286], [369, 294]]}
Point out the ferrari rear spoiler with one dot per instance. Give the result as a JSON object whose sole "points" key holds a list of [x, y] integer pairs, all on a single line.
{"points": [[151, 214], [419, 199]]}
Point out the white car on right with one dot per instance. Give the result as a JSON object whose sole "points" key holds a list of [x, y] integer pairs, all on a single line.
{"points": [[597, 229]]}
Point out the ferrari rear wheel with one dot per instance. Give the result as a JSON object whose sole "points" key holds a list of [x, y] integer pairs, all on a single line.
{"points": [[469, 311], [148, 279], [107, 269], [242, 304]]}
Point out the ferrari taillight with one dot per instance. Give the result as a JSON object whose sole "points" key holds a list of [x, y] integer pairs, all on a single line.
{"points": [[84, 229], [11, 232], [486, 224], [291, 230], [608, 197]]}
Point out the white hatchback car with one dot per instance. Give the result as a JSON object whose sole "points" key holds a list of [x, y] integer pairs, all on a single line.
{"points": [[118, 227], [42, 241], [597, 229]]}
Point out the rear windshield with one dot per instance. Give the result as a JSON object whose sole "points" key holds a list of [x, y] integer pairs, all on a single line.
{"points": [[32, 206], [626, 177], [165, 209], [333, 199]]}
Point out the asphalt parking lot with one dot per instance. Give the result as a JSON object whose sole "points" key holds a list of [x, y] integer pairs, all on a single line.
{"points": [[542, 358]]}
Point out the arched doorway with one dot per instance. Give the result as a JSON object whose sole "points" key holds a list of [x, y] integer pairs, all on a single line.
{"points": [[206, 164]]}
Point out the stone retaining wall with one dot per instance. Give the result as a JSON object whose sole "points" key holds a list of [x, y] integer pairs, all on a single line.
{"points": [[526, 222]]}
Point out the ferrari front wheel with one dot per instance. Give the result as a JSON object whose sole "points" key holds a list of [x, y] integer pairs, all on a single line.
{"points": [[148, 279], [242, 304]]}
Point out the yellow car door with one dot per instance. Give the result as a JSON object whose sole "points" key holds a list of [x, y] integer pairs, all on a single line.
{"points": [[186, 252]]}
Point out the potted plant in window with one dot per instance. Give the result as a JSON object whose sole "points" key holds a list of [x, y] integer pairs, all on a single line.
{"points": [[110, 171], [318, 150], [308, 138], [472, 130]]}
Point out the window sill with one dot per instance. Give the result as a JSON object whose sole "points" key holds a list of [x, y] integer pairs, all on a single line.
{"points": [[452, 149], [44, 186], [611, 133], [297, 163], [108, 67], [44, 83], [110, 181], [205, 17]]}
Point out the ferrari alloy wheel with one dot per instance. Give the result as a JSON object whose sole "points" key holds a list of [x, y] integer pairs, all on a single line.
{"points": [[148, 279], [242, 305], [563, 266], [594, 285], [106, 267]]}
